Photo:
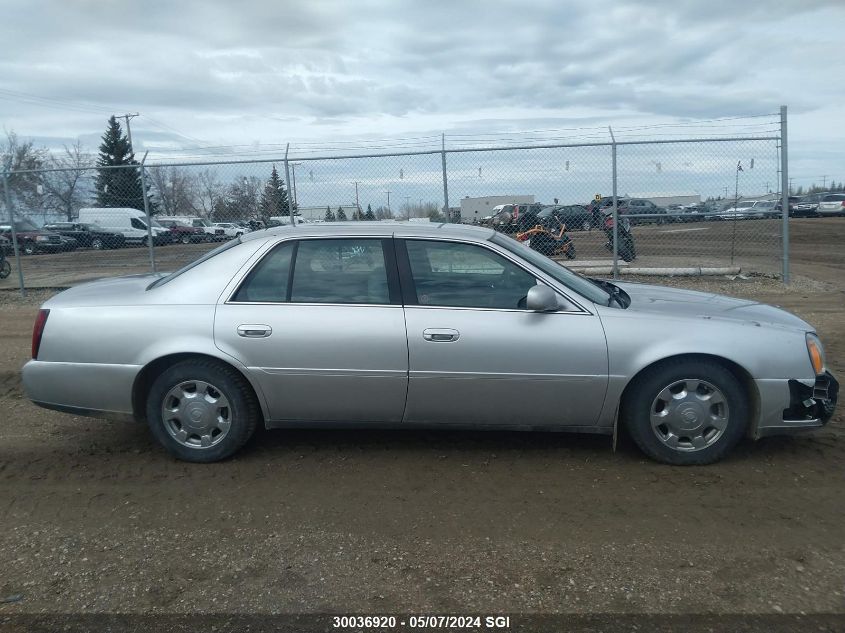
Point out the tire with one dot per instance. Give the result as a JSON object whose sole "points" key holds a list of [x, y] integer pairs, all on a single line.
{"points": [[29, 248], [145, 242], [5, 269], [586, 225], [724, 423], [200, 439], [186, 239], [98, 244]]}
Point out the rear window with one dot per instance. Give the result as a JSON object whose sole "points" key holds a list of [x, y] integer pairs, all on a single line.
{"points": [[168, 278], [834, 197]]}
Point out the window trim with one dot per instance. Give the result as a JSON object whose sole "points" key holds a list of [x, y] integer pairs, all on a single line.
{"points": [[393, 283], [409, 293]]}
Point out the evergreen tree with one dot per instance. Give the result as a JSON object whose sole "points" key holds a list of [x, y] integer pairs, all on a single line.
{"points": [[329, 215], [274, 198], [341, 216], [369, 215], [118, 187]]}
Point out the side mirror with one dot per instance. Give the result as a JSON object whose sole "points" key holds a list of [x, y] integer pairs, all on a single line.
{"points": [[541, 299]]}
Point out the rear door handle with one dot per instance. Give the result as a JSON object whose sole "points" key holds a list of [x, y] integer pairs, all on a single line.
{"points": [[254, 331], [441, 335]]}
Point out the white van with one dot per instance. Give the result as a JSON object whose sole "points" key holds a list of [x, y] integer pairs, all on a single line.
{"points": [[214, 232], [131, 223]]}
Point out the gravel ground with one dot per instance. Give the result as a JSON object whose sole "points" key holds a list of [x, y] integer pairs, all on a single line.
{"points": [[96, 518]]}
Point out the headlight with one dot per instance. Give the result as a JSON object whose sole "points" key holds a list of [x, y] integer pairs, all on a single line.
{"points": [[816, 351]]}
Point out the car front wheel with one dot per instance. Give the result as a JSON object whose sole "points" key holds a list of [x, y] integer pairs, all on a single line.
{"points": [[201, 410], [686, 412], [97, 244]]}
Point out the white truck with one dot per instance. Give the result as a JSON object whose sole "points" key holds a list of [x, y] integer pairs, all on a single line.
{"points": [[131, 223]]}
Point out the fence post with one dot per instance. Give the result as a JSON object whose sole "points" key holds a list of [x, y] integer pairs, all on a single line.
{"points": [[14, 231], [287, 184], [147, 213], [615, 209], [445, 179], [784, 190]]}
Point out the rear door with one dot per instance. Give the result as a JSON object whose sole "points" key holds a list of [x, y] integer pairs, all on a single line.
{"points": [[319, 324]]}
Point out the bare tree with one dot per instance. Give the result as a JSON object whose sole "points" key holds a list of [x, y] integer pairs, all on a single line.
{"points": [[64, 190], [176, 190], [209, 192]]}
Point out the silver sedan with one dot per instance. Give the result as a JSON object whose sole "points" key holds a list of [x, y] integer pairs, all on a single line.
{"points": [[413, 325]]}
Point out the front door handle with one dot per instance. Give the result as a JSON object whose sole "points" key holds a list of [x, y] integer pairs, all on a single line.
{"points": [[254, 331], [441, 335]]}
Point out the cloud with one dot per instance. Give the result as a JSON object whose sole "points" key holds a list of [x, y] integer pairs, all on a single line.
{"points": [[251, 70]]}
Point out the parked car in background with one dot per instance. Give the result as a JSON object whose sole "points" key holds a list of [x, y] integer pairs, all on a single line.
{"points": [[574, 216], [87, 235], [181, 232], [642, 211], [198, 223], [429, 325], [793, 200], [33, 240], [831, 204], [512, 218], [230, 229], [806, 207], [129, 222]]}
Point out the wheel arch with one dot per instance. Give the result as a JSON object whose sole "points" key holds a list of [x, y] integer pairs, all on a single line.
{"points": [[145, 378], [740, 372]]}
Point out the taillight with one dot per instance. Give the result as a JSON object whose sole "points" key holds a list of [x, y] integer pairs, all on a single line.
{"points": [[843, 203], [38, 331]]}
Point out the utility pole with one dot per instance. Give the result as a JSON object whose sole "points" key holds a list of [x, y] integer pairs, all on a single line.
{"points": [[128, 129], [388, 200], [824, 181], [357, 204], [790, 185], [408, 205]]}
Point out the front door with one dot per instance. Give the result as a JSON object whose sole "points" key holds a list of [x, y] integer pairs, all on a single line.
{"points": [[476, 355], [319, 324]]}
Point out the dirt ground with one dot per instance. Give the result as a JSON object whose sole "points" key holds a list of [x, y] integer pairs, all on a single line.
{"points": [[96, 518]]}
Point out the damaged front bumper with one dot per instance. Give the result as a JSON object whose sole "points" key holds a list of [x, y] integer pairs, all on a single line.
{"points": [[808, 406]]}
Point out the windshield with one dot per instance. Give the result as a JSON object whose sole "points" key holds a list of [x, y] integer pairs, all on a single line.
{"points": [[576, 282], [25, 225]]}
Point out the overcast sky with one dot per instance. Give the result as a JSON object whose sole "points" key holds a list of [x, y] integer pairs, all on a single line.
{"points": [[209, 73]]}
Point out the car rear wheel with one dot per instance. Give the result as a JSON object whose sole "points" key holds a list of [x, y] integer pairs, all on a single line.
{"points": [[202, 411], [29, 248], [686, 412], [186, 239], [97, 244]]}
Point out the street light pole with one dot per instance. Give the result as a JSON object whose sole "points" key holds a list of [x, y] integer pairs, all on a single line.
{"points": [[357, 204], [388, 200]]}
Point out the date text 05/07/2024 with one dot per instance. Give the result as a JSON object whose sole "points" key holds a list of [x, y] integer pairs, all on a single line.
{"points": [[479, 622]]}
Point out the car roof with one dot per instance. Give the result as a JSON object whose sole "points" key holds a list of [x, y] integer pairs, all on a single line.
{"points": [[385, 229]]}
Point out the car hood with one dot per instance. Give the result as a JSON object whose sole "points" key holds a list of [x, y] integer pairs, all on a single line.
{"points": [[676, 302]]}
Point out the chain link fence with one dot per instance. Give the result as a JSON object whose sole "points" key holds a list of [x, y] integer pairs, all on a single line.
{"points": [[711, 203]]}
